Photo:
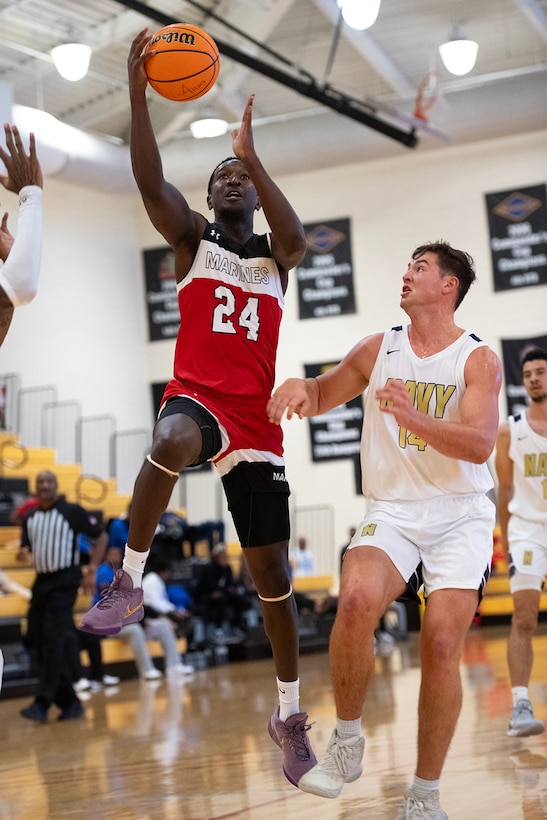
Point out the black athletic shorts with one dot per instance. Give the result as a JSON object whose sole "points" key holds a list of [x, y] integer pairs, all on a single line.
{"points": [[258, 499]]}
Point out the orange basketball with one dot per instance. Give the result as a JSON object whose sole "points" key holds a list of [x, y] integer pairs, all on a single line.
{"points": [[186, 63]]}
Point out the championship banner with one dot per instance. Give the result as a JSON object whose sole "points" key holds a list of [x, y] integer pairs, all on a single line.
{"points": [[161, 294], [325, 276], [158, 389], [518, 237], [336, 434], [513, 351]]}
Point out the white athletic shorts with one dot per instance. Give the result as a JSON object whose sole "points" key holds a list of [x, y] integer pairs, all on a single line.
{"points": [[527, 554], [451, 536]]}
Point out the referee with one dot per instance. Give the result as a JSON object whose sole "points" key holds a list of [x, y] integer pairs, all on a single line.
{"points": [[50, 532]]}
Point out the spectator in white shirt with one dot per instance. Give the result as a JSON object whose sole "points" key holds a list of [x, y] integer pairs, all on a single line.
{"points": [[302, 560], [162, 617]]}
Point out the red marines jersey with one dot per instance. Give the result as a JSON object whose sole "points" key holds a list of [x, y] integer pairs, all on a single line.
{"points": [[231, 303]]}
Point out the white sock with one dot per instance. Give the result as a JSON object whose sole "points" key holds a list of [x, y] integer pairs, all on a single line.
{"points": [[346, 729], [133, 564], [289, 698], [421, 788], [519, 693]]}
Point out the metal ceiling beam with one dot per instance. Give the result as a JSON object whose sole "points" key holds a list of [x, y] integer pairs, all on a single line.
{"points": [[327, 96], [370, 51], [536, 13]]}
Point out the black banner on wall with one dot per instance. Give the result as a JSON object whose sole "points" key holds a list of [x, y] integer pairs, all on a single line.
{"points": [[513, 352], [336, 434], [158, 389], [518, 237], [325, 276], [161, 294]]}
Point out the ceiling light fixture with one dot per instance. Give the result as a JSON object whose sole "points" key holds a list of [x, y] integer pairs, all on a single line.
{"points": [[359, 14], [71, 60], [459, 54], [208, 127]]}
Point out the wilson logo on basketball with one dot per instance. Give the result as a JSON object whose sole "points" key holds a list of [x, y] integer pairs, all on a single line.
{"points": [[182, 62], [175, 37]]}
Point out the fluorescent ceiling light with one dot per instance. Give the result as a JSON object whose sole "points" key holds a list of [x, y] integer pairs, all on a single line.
{"points": [[71, 60], [359, 14], [459, 54], [208, 127]]}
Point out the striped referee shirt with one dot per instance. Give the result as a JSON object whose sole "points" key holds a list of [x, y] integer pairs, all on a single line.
{"points": [[52, 534]]}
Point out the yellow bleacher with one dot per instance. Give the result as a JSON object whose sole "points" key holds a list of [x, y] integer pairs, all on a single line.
{"points": [[91, 493]]}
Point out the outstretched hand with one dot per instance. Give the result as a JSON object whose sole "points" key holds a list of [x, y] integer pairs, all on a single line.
{"points": [[290, 397], [395, 400], [242, 137], [22, 169]]}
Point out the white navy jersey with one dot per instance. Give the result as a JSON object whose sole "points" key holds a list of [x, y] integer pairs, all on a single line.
{"points": [[397, 464], [528, 452]]}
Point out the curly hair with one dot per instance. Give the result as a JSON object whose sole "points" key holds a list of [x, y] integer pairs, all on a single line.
{"points": [[532, 354]]}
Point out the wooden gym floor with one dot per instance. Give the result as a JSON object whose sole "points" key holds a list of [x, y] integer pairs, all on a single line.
{"points": [[200, 750]]}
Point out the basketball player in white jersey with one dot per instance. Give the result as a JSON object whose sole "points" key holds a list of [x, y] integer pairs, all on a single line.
{"points": [[21, 256], [521, 466], [430, 423]]}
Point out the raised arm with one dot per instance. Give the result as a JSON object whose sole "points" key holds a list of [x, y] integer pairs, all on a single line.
{"points": [[472, 438], [338, 385], [504, 471], [166, 206], [288, 237], [21, 256]]}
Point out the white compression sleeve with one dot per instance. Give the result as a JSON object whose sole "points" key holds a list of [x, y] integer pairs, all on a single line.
{"points": [[19, 275]]}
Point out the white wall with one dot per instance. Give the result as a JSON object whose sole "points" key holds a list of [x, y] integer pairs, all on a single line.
{"points": [[86, 330]]}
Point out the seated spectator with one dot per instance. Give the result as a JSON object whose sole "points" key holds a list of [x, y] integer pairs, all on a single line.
{"points": [[98, 678], [210, 531], [8, 585], [118, 529], [246, 588], [162, 618], [173, 532], [218, 598], [133, 634], [302, 560], [170, 534], [18, 514]]}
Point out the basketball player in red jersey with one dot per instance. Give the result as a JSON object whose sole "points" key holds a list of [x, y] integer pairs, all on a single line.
{"points": [[231, 284]]}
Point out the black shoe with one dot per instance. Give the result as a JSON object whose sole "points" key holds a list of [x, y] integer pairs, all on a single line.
{"points": [[35, 712], [72, 712]]}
